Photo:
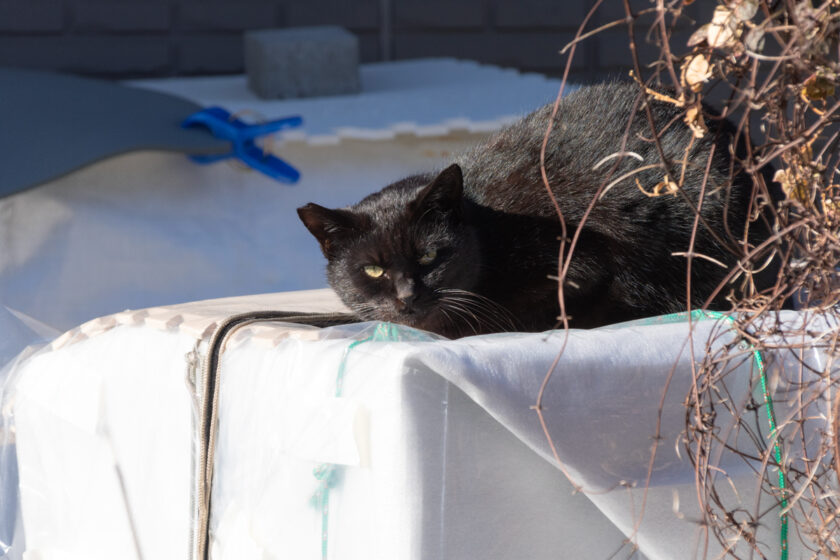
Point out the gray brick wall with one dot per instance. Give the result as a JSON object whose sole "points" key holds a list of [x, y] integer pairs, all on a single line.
{"points": [[355, 15], [108, 17], [138, 38]]}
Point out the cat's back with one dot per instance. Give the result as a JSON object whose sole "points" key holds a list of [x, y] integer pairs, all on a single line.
{"points": [[504, 172]]}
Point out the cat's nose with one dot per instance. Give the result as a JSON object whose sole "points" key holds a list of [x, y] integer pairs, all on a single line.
{"points": [[405, 291]]}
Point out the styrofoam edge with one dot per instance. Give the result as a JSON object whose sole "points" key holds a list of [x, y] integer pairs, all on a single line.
{"points": [[200, 327], [200, 319], [397, 129], [483, 73]]}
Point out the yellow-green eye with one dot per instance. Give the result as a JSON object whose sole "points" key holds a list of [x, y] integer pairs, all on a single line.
{"points": [[374, 271], [428, 257]]}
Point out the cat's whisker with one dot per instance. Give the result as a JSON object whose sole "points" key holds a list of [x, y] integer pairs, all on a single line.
{"points": [[469, 318], [479, 314], [455, 322], [496, 313], [448, 317], [500, 316], [366, 312], [483, 314]]}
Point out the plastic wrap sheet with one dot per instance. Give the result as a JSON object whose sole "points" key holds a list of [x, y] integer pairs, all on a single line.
{"points": [[17, 331], [372, 441], [102, 417], [20, 337], [357, 451], [102, 433]]}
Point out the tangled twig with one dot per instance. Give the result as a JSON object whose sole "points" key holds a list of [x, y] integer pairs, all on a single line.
{"points": [[775, 64]]}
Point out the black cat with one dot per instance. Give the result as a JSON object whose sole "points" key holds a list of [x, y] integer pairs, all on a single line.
{"points": [[474, 248]]}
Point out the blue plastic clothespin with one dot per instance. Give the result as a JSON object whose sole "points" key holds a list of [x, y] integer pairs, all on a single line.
{"points": [[242, 136]]}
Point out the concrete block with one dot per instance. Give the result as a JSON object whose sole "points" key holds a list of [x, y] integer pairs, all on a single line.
{"points": [[302, 62]]}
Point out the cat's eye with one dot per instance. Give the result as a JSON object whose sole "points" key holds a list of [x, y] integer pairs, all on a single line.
{"points": [[374, 271], [428, 257]]}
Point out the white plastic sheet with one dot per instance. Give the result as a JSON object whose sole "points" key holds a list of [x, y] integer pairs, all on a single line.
{"points": [[430, 448], [19, 331], [152, 228], [416, 469], [104, 449]]}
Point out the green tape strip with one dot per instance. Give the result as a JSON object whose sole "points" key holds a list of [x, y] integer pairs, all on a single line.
{"points": [[699, 315], [777, 451], [327, 473]]}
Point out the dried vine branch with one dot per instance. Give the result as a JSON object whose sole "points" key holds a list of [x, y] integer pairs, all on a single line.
{"points": [[773, 69]]}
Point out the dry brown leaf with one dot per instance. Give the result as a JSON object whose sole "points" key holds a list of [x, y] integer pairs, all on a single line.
{"points": [[744, 10], [719, 36], [694, 120], [721, 16], [695, 71], [817, 88], [794, 185], [754, 41], [721, 32], [831, 203], [806, 151], [698, 36], [809, 19]]}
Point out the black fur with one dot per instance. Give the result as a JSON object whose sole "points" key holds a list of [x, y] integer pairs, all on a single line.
{"points": [[495, 229]]}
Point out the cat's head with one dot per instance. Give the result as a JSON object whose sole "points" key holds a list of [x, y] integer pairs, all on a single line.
{"points": [[400, 254]]}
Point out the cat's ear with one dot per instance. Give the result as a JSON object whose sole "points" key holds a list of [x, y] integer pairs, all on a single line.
{"points": [[444, 194], [328, 226]]}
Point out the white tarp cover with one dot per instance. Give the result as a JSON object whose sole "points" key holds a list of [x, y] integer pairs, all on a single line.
{"points": [[423, 97], [372, 441]]}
